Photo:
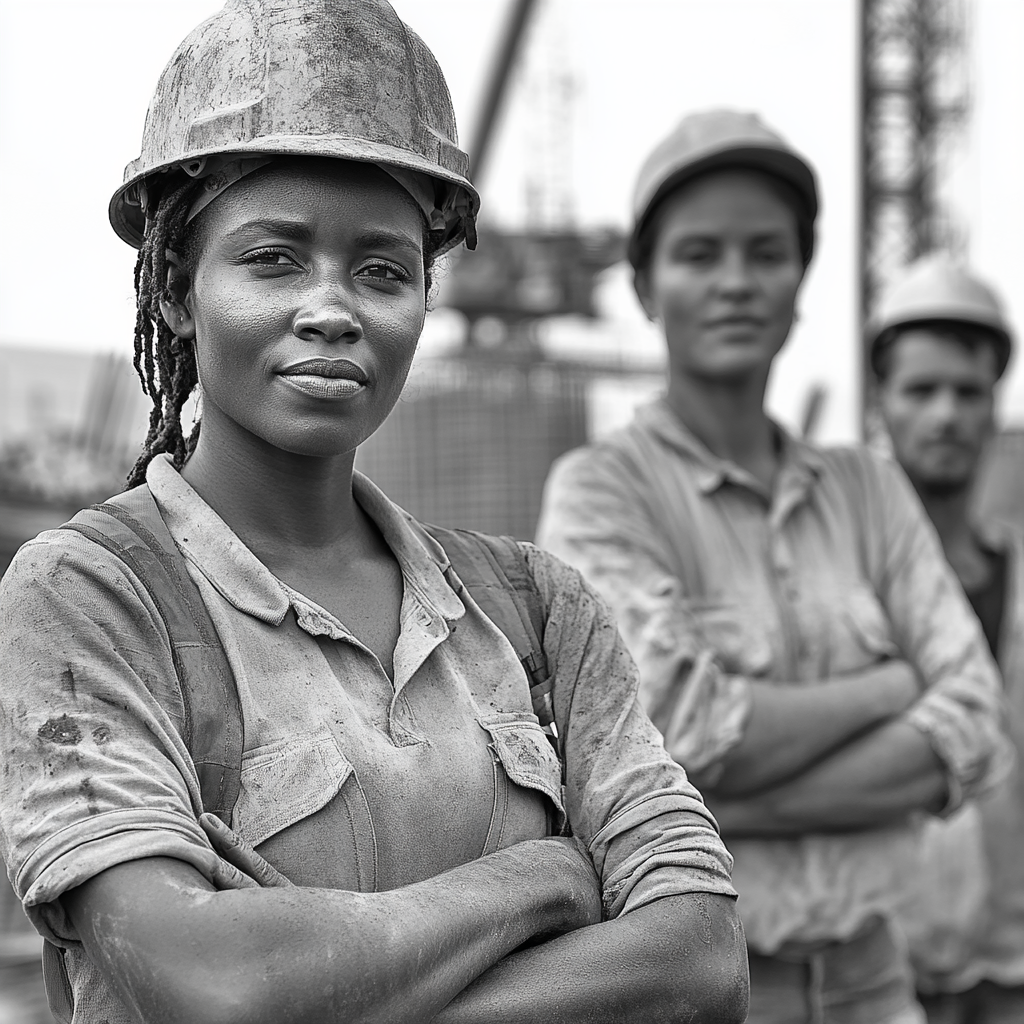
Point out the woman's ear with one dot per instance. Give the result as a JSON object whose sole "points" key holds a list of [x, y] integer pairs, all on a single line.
{"points": [[176, 313], [642, 287]]}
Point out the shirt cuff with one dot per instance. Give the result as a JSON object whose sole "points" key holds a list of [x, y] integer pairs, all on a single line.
{"points": [[80, 852], [974, 760], [709, 720]]}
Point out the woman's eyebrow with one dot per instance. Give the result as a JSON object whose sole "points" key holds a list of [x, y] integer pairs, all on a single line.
{"points": [[297, 231], [375, 237]]}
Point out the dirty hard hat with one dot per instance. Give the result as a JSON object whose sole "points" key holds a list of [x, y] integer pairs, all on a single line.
{"points": [[715, 140], [935, 289], [324, 78]]}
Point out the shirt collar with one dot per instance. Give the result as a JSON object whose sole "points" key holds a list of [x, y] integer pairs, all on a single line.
{"points": [[243, 580], [801, 462]]}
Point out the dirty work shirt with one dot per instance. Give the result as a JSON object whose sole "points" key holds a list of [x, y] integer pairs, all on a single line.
{"points": [[965, 914], [716, 583], [348, 781]]}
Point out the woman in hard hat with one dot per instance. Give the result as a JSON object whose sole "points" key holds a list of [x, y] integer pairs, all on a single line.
{"points": [[802, 645], [299, 173]]}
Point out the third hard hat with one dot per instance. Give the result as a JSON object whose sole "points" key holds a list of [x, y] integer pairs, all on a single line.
{"points": [[715, 139], [936, 288], [329, 78]]}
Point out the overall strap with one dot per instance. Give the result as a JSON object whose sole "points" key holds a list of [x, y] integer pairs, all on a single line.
{"points": [[495, 572], [130, 526]]}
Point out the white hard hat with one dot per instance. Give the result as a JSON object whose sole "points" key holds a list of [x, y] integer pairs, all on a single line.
{"points": [[937, 289]]}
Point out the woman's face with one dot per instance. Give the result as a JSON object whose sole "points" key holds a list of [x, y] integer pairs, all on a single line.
{"points": [[306, 299], [723, 275]]}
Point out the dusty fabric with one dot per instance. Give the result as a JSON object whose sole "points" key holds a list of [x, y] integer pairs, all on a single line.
{"points": [[965, 914], [716, 583], [348, 781], [863, 981]]}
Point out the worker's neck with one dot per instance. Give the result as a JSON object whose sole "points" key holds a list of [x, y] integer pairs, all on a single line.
{"points": [[728, 417], [949, 511]]}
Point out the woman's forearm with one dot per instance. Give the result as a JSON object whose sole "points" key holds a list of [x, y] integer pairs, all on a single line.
{"points": [[876, 780], [681, 958], [793, 727], [178, 950]]}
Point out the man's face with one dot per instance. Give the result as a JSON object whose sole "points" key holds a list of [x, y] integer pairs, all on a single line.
{"points": [[937, 402]]}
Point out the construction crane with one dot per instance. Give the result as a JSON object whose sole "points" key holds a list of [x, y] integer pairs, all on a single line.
{"points": [[519, 278], [915, 95]]}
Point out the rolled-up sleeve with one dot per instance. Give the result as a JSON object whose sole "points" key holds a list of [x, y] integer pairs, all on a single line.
{"points": [[646, 826], [961, 711], [94, 770], [595, 519]]}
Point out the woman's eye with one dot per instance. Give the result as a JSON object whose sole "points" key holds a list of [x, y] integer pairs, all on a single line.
{"points": [[268, 258], [695, 254], [384, 272]]}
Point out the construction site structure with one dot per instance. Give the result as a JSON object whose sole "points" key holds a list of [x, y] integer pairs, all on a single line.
{"points": [[517, 279], [915, 101]]}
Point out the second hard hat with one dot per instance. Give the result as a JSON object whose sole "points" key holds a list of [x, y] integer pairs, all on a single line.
{"points": [[936, 289], [720, 139], [326, 78]]}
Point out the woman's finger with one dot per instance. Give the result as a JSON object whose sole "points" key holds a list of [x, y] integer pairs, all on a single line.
{"points": [[237, 852]]}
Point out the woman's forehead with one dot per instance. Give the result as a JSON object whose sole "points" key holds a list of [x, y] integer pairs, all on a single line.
{"points": [[733, 199], [316, 189]]}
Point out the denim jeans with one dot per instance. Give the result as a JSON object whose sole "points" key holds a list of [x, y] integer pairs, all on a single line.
{"points": [[864, 981]]}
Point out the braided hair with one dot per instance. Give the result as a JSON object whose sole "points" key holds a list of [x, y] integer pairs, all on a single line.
{"points": [[165, 363]]}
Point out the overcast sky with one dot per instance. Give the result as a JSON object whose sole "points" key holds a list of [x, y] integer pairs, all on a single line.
{"points": [[76, 77]]}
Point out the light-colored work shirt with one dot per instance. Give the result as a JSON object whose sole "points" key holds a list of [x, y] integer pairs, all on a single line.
{"points": [[965, 914], [717, 583], [349, 780]]}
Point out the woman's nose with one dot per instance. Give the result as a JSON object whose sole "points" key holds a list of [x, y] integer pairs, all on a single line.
{"points": [[734, 274], [329, 314]]}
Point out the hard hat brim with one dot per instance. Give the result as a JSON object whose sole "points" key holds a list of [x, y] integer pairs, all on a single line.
{"points": [[129, 222], [881, 335]]}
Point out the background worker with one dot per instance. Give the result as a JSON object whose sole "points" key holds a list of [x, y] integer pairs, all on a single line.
{"points": [[938, 348], [299, 174], [803, 646]]}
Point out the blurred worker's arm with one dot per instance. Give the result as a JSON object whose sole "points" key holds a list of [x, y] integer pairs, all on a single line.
{"points": [[880, 779], [951, 742], [961, 712], [177, 949], [735, 735], [793, 727]]}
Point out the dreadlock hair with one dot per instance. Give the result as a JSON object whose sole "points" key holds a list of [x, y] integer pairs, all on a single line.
{"points": [[165, 363]]}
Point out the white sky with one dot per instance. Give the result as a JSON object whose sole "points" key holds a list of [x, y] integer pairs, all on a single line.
{"points": [[76, 77]]}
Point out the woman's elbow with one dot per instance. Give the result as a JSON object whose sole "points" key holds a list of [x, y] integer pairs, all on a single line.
{"points": [[702, 977]]}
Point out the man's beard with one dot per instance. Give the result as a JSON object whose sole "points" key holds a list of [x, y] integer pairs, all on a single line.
{"points": [[940, 487]]}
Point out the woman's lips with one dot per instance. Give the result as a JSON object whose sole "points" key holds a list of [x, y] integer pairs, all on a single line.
{"points": [[324, 387], [326, 378]]}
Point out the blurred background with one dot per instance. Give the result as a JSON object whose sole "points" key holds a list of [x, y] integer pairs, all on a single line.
{"points": [[912, 112]]}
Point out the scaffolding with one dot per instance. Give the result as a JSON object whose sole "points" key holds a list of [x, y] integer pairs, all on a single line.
{"points": [[915, 95]]}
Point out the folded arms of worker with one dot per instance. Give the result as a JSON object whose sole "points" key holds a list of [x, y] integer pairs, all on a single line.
{"points": [[107, 853], [902, 713]]}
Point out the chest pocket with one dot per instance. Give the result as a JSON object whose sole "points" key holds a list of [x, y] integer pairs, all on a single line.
{"points": [[284, 782], [522, 755]]}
